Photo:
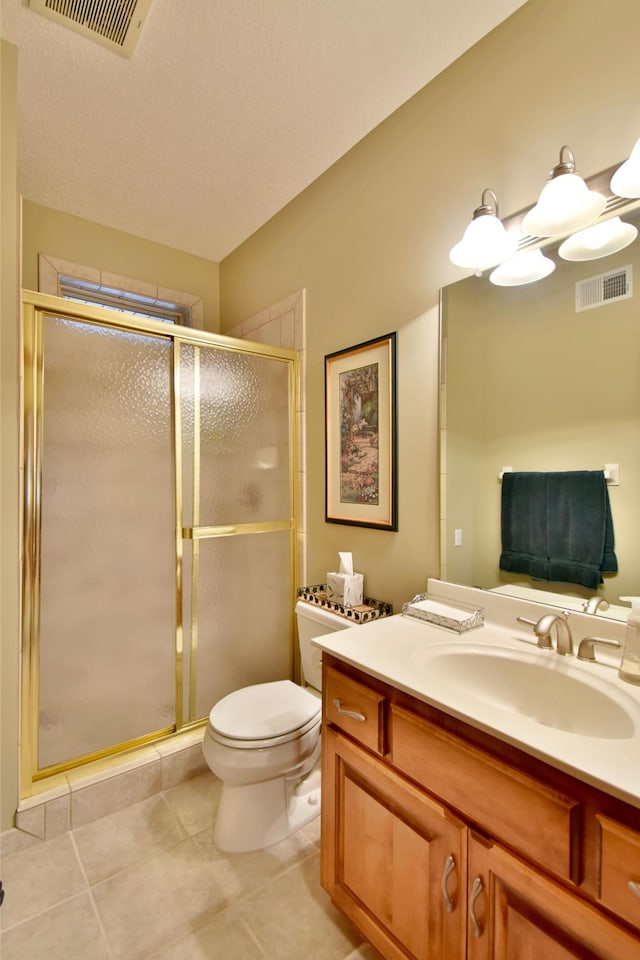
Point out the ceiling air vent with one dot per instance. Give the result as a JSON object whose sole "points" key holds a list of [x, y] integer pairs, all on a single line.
{"points": [[596, 291], [115, 24]]}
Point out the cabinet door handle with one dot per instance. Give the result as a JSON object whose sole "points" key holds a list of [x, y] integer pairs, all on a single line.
{"points": [[449, 867], [476, 890], [634, 886], [348, 713]]}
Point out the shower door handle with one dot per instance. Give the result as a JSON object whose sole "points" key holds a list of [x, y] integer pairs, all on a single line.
{"points": [[354, 714]]}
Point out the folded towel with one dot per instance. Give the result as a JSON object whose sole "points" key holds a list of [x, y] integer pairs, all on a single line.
{"points": [[558, 526], [440, 609]]}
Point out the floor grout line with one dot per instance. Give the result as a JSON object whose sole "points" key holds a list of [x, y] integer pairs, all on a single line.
{"points": [[249, 931], [241, 898], [43, 913], [94, 905], [149, 855]]}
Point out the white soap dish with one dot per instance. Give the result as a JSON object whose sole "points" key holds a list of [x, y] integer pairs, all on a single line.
{"points": [[455, 616]]}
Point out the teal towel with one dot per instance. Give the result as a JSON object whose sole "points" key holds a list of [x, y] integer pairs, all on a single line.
{"points": [[558, 526]]}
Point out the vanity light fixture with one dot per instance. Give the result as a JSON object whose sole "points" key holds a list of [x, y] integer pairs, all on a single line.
{"points": [[485, 241], [599, 240], [626, 180], [526, 266], [565, 203]]}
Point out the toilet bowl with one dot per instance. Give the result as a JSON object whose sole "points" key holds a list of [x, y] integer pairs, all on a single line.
{"points": [[263, 742]]}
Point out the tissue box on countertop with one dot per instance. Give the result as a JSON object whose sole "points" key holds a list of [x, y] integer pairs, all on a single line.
{"points": [[345, 586]]}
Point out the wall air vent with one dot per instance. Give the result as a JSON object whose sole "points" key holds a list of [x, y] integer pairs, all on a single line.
{"points": [[596, 291], [115, 24]]}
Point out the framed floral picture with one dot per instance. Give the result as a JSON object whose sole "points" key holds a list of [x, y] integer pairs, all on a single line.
{"points": [[360, 434]]}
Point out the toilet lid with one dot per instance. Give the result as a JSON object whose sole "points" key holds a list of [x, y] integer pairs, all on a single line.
{"points": [[264, 711]]}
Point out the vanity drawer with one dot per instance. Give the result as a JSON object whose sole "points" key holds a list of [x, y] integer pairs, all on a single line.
{"points": [[620, 869], [356, 709], [520, 811]]}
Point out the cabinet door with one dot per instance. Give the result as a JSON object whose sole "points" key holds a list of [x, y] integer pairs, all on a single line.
{"points": [[393, 860], [620, 869], [516, 912]]}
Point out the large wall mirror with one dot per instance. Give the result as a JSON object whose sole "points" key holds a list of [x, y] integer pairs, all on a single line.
{"points": [[532, 382]]}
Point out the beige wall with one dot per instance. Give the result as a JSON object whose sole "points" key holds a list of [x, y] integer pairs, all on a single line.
{"points": [[369, 240], [80, 241], [9, 557]]}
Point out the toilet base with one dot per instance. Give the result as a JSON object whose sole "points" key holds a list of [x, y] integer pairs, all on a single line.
{"points": [[255, 815]]}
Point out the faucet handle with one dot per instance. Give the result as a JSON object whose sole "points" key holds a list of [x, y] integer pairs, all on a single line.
{"points": [[530, 623], [586, 649]]}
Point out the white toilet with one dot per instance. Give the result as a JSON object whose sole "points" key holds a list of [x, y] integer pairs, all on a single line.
{"points": [[263, 742]]}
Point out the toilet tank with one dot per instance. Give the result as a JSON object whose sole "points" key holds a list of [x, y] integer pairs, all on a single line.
{"points": [[315, 622]]}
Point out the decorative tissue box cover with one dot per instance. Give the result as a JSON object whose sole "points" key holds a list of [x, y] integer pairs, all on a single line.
{"points": [[345, 588], [368, 610], [444, 613]]}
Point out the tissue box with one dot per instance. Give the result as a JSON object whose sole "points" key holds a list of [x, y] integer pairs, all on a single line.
{"points": [[345, 588]]}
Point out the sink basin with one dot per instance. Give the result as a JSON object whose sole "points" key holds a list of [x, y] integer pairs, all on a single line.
{"points": [[542, 687]]}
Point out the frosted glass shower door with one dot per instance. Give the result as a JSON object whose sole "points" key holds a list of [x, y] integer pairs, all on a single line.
{"points": [[238, 512], [108, 581], [159, 528]]}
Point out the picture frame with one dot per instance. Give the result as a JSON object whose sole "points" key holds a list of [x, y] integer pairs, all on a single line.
{"points": [[361, 435]]}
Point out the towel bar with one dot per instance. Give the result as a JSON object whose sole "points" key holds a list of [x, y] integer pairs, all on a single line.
{"points": [[611, 473]]}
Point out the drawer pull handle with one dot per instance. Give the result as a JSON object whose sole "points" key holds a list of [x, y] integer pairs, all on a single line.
{"points": [[449, 867], [634, 886], [476, 890], [348, 713]]}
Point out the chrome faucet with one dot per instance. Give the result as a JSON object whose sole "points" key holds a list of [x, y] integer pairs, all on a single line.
{"points": [[543, 627], [593, 604]]}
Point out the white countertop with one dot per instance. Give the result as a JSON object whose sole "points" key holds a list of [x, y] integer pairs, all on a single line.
{"points": [[399, 650]]}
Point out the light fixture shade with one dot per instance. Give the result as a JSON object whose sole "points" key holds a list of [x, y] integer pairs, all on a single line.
{"points": [[565, 204], [600, 240], [527, 266], [485, 241], [626, 180]]}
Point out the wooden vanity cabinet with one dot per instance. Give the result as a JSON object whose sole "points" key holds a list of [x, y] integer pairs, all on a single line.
{"points": [[440, 844]]}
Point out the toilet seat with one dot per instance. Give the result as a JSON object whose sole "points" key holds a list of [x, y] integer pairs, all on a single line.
{"points": [[264, 715]]}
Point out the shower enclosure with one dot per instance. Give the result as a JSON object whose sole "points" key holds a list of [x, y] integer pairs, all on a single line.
{"points": [[159, 528]]}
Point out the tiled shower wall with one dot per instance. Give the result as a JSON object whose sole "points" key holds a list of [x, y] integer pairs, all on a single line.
{"points": [[283, 325]]}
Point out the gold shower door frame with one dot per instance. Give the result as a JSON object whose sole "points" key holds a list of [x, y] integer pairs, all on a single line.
{"points": [[35, 307]]}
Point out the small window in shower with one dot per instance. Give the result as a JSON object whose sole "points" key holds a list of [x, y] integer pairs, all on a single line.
{"points": [[98, 287], [98, 295]]}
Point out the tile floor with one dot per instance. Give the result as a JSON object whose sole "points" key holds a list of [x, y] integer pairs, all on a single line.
{"points": [[148, 883]]}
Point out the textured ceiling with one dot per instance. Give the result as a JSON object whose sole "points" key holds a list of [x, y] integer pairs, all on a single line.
{"points": [[227, 109]]}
